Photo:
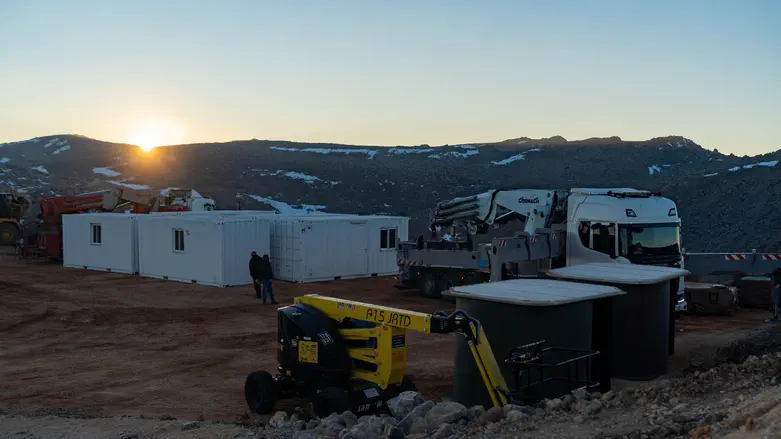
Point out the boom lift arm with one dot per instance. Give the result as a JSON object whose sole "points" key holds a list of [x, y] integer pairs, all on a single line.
{"points": [[390, 364]]}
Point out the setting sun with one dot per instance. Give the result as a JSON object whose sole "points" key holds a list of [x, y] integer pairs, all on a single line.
{"points": [[156, 134]]}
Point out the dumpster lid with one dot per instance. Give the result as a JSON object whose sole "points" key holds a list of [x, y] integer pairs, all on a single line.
{"points": [[534, 292], [609, 272]]}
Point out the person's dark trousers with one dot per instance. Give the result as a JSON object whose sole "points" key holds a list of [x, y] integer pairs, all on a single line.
{"points": [[256, 285], [268, 290]]}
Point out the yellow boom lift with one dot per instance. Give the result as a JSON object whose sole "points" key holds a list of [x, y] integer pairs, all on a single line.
{"points": [[353, 356]]}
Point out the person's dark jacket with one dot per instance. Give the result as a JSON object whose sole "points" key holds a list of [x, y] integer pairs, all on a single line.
{"points": [[777, 277], [255, 264]]}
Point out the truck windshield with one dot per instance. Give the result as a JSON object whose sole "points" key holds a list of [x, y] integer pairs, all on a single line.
{"points": [[642, 241]]}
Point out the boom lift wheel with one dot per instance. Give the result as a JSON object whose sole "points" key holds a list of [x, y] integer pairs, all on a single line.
{"points": [[330, 400], [429, 285], [407, 385], [260, 391], [9, 234]]}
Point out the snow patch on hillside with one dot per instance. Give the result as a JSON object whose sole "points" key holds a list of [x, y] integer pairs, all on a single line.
{"points": [[52, 142], [401, 151], [310, 179], [509, 160], [769, 164], [287, 209], [653, 169], [293, 175], [41, 169], [62, 148], [106, 171], [514, 158], [469, 152], [4, 160], [369, 152], [129, 185]]}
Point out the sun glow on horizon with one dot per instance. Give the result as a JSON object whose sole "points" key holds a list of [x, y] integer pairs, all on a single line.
{"points": [[156, 134]]}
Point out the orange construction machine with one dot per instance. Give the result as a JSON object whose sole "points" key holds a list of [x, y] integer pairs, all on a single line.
{"points": [[42, 235], [12, 208]]}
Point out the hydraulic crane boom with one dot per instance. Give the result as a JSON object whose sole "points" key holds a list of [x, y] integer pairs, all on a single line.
{"points": [[478, 212]]}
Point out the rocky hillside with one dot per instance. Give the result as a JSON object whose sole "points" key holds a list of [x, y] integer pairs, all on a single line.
{"points": [[727, 202]]}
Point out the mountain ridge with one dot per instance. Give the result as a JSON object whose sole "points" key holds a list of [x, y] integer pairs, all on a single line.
{"points": [[719, 196]]}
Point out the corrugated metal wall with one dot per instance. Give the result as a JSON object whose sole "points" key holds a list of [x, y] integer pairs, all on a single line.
{"points": [[287, 249], [240, 238], [117, 250], [312, 248]]}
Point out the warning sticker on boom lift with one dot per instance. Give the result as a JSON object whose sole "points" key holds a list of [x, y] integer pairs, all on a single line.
{"points": [[307, 352]]}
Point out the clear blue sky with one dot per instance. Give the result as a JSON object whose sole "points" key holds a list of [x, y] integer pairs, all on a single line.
{"points": [[393, 72]]}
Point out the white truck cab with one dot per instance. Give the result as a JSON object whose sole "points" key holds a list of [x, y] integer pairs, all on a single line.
{"points": [[623, 225]]}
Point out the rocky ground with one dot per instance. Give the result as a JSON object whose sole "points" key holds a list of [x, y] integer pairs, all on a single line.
{"points": [[738, 398]]}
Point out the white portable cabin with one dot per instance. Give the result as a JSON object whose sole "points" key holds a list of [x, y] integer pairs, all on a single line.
{"points": [[215, 213], [100, 241], [201, 249], [313, 248]]}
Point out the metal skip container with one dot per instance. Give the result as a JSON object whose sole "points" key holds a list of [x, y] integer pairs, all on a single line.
{"points": [[641, 319], [518, 312]]}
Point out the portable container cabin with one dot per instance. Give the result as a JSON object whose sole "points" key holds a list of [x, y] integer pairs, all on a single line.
{"points": [[101, 241], [313, 248], [202, 249]]}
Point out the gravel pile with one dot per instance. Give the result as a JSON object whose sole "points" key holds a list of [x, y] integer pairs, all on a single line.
{"points": [[731, 401]]}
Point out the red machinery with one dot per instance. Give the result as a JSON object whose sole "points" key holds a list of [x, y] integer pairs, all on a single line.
{"points": [[43, 236]]}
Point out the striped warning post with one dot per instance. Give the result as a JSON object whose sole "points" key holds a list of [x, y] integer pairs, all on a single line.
{"points": [[735, 257], [771, 257]]}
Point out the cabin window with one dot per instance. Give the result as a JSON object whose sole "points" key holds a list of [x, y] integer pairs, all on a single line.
{"points": [[388, 238], [585, 233], [598, 236], [97, 234], [178, 240]]}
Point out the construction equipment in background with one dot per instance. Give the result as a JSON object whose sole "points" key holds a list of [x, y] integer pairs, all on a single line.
{"points": [[12, 210], [42, 235], [352, 356], [560, 228], [748, 272]]}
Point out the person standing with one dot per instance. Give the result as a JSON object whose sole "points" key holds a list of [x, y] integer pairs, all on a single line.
{"points": [[255, 263], [264, 276]]}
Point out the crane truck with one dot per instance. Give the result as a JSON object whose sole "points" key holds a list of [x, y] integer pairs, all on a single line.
{"points": [[42, 234], [560, 228]]}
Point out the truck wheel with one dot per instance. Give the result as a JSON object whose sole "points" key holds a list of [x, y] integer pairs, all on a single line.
{"points": [[430, 287], [448, 281], [9, 234], [330, 400], [260, 391]]}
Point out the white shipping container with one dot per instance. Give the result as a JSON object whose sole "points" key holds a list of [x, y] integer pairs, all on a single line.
{"points": [[100, 241], [310, 248], [201, 249]]}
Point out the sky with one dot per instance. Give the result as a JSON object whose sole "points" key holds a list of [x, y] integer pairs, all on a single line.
{"points": [[392, 72]]}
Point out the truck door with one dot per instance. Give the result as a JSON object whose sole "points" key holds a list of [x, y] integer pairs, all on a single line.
{"points": [[597, 242]]}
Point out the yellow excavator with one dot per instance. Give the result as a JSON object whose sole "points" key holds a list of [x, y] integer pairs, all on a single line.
{"points": [[12, 209], [352, 356]]}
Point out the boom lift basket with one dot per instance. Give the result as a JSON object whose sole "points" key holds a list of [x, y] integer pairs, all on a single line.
{"points": [[534, 366]]}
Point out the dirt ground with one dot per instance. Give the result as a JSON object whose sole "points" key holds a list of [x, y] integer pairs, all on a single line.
{"points": [[101, 344]]}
